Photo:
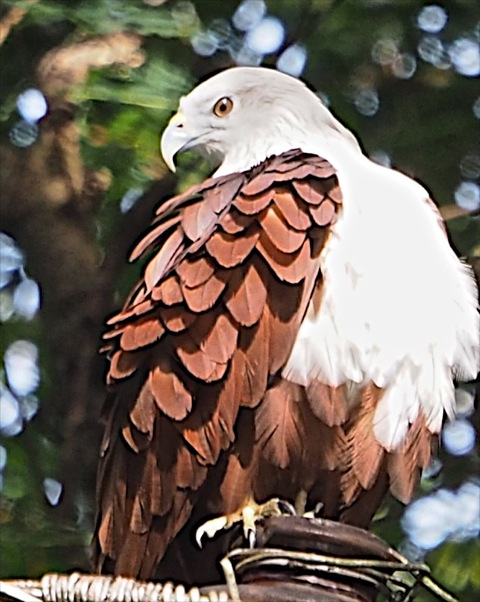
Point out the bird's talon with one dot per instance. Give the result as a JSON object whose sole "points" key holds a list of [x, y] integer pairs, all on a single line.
{"points": [[285, 507], [249, 515], [210, 528]]}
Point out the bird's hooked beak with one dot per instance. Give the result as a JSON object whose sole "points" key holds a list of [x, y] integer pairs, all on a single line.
{"points": [[175, 138]]}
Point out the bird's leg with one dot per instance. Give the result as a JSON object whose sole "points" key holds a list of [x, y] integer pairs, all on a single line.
{"points": [[248, 515], [301, 502], [301, 506]]}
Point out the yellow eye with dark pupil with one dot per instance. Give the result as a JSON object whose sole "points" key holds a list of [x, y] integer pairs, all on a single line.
{"points": [[223, 107]]}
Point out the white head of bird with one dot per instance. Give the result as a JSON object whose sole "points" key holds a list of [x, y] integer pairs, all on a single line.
{"points": [[243, 115]]}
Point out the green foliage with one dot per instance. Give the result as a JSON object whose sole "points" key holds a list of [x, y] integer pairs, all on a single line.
{"points": [[34, 537], [118, 15], [456, 566], [126, 111], [111, 16], [465, 233]]}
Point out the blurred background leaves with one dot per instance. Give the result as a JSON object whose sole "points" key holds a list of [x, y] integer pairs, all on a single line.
{"points": [[87, 88]]}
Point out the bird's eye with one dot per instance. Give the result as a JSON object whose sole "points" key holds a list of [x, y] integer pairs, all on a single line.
{"points": [[223, 107]]}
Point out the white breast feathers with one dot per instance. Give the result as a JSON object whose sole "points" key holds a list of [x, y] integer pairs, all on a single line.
{"points": [[398, 307]]}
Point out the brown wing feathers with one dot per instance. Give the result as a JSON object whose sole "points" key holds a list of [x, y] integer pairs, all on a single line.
{"points": [[196, 355], [216, 314]]}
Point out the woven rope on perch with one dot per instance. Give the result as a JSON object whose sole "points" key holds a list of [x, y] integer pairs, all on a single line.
{"points": [[295, 560]]}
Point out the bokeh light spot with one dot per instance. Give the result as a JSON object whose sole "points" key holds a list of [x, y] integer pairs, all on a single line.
{"points": [[26, 299], [465, 400], [204, 43], [411, 551], [467, 196], [32, 105], [459, 437], [293, 60], [53, 490], [324, 97], [384, 51], [367, 102], [3, 457], [432, 18], [470, 166], [6, 302], [244, 55], [432, 470], [465, 56], [443, 515], [428, 521], [9, 410], [381, 157], [468, 501], [267, 36], [432, 50], [21, 367], [23, 134], [404, 66], [129, 199], [28, 406], [222, 32], [476, 108], [249, 14], [11, 258]]}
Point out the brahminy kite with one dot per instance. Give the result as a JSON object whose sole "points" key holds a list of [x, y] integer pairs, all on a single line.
{"points": [[296, 333]]}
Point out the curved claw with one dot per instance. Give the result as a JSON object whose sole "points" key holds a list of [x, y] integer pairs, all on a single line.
{"points": [[210, 528], [249, 516], [315, 513], [251, 538]]}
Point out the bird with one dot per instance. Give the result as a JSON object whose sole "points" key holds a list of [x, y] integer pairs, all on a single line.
{"points": [[296, 333]]}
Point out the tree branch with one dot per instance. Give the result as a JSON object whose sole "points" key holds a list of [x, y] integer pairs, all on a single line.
{"points": [[49, 205]]}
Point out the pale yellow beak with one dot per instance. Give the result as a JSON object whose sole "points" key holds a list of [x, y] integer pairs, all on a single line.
{"points": [[174, 138]]}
